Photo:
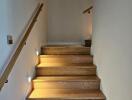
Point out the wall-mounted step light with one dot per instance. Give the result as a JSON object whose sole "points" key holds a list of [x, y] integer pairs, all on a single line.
{"points": [[9, 39]]}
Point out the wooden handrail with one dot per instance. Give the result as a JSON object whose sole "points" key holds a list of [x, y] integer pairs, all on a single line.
{"points": [[12, 60], [88, 10]]}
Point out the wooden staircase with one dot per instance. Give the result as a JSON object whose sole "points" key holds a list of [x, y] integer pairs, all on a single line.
{"points": [[66, 73]]}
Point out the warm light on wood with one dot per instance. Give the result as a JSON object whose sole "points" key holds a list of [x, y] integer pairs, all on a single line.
{"points": [[62, 94], [66, 75]]}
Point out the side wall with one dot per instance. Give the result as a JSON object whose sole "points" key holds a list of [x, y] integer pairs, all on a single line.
{"points": [[66, 22], [112, 47], [19, 80], [15, 15]]}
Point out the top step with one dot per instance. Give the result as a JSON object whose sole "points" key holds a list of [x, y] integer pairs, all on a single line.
{"points": [[65, 49]]}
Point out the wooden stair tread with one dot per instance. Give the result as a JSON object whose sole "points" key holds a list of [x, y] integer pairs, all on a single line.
{"points": [[67, 78], [65, 69], [66, 94], [67, 82], [66, 50], [66, 59], [65, 65], [72, 55], [64, 46]]}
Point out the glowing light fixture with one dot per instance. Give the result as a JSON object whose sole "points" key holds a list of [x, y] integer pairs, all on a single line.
{"points": [[29, 79], [37, 52]]}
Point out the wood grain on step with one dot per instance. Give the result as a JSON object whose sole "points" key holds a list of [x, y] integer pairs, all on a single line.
{"points": [[66, 73], [66, 94], [67, 82], [65, 65], [66, 59], [65, 50], [43, 71]]}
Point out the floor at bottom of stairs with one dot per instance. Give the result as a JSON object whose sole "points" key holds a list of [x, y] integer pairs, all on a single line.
{"points": [[66, 94]]}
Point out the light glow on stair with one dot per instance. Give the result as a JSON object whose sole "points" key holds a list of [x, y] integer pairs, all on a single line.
{"points": [[29, 79], [65, 74], [37, 52]]}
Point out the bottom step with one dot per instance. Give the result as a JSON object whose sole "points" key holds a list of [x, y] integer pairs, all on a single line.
{"points": [[66, 94]]}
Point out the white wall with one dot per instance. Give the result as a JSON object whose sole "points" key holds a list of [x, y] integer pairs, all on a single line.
{"points": [[18, 86], [66, 23], [15, 14], [112, 47]]}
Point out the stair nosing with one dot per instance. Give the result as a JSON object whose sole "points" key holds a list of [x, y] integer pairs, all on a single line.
{"points": [[68, 65]]}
